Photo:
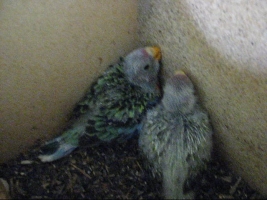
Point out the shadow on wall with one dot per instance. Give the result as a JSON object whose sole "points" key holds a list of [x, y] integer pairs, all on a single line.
{"points": [[231, 86]]}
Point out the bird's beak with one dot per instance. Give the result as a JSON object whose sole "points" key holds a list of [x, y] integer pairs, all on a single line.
{"points": [[179, 72], [155, 52], [181, 76]]}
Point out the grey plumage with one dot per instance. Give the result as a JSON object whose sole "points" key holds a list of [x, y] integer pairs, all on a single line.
{"points": [[176, 137]]}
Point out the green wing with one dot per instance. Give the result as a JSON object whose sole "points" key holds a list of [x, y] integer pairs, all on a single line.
{"points": [[116, 106]]}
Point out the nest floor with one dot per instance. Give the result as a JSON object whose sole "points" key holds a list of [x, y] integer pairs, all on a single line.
{"points": [[108, 171]]}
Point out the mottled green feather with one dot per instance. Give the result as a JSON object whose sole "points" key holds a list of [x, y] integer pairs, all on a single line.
{"points": [[114, 105]]}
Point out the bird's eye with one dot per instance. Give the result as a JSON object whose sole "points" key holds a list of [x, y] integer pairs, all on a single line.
{"points": [[146, 67]]}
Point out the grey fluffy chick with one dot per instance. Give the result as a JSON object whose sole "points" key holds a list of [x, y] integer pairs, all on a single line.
{"points": [[176, 137]]}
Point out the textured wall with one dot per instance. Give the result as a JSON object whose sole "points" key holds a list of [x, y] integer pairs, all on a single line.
{"points": [[50, 51], [222, 45]]}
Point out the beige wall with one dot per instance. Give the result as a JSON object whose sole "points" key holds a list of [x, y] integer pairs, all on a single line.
{"points": [[50, 51], [223, 48]]}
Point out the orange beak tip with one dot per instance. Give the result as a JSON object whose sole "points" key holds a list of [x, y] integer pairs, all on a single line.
{"points": [[155, 52]]}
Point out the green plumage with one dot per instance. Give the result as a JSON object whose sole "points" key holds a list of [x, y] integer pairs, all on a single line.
{"points": [[113, 107]]}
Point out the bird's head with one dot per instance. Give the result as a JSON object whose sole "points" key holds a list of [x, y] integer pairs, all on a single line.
{"points": [[178, 94], [141, 68]]}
